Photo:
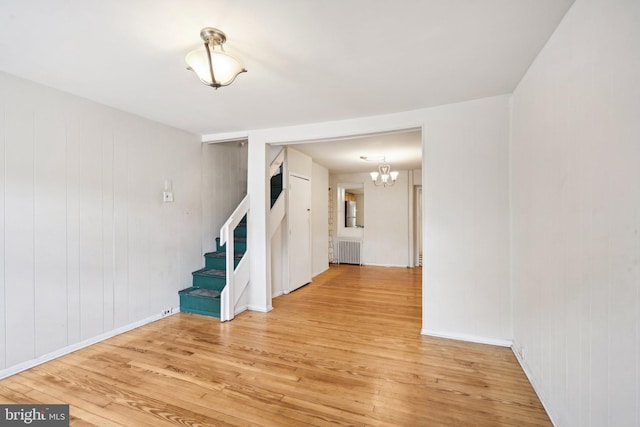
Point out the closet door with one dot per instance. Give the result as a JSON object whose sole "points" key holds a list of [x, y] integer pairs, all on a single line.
{"points": [[299, 231]]}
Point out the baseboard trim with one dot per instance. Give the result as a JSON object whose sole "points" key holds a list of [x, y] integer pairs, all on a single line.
{"points": [[468, 338], [240, 309], [385, 265], [23, 366], [527, 372], [259, 308], [320, 272]]}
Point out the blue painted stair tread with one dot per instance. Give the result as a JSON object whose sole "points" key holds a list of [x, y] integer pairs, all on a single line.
{"points": [[221, 254], [239, 245], [209, 278], [203, 297], [208, 293], [218, 260], [205, 302], [218, 273], [276, 186]]}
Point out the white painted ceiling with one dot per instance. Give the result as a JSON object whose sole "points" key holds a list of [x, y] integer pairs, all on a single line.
{"points": [[308, 60], [402, 150]]}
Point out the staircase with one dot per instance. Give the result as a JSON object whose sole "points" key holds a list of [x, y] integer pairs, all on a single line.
{"points": [[203, 297], [217, 289]]}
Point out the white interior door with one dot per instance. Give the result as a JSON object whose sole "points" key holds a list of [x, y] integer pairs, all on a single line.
{"points": [[299, 231]]}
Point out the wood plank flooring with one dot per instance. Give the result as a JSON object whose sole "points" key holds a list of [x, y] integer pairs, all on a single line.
{"points": [[345, 350]]}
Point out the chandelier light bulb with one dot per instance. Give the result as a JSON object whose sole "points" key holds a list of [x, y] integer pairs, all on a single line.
{"points": [[385, 176]]}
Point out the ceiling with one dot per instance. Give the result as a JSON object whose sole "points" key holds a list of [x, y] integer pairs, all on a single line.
{"points": [[402, 150], [308, 60]]}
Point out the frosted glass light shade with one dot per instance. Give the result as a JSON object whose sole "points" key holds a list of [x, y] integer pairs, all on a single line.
{"points": [[382, 176], [225, 67]]}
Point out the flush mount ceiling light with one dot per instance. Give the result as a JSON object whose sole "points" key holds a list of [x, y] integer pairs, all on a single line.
{"points": [[213, 67], [385, 176]]}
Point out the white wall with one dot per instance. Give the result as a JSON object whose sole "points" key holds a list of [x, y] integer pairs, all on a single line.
{"points": [[465, 180], [302, 165], [299, 163], [319, 219], [385, 234], [417, 176], [359, 212], [466, 221], [575, 157], [277, 261], [86, 244]]}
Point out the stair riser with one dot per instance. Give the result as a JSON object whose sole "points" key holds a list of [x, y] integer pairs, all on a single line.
{"points": [[209, 282], [217, 263], [239, 247], [207, 306], [276, 188], [240, 231], [199, 305]]}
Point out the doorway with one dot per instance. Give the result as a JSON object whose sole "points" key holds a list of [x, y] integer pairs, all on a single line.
{"points": [[340, 159]]}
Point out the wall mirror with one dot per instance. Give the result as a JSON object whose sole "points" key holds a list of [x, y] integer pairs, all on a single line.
{"points": [[351, 205]]}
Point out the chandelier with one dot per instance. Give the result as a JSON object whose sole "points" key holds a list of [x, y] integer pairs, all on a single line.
{"points": [[385, 176], [213, 67]]}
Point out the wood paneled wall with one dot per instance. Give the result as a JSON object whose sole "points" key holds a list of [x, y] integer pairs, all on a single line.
{"points": [[86, 244], [575, 197]]}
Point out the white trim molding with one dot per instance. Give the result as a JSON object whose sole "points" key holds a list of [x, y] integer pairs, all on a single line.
{"points": [[259, 309], [224, 137], [469, 338], [77, 346], [526, 371]]}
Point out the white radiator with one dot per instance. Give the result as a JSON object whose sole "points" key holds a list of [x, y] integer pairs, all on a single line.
{"points": [[348, 252]]}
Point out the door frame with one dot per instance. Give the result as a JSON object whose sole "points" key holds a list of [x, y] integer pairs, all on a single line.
{"points": [[419, 211]]}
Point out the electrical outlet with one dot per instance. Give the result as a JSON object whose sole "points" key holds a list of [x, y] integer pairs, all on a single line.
{"points": [[167, 196], [166, 312]]}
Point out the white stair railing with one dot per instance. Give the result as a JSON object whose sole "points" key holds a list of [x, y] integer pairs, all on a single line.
{"points": [[278, 210], [237, 277], [276, 163], [276, 216]]}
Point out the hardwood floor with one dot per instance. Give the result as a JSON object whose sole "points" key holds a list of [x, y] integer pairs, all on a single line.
{"points": [[344, 350]]}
